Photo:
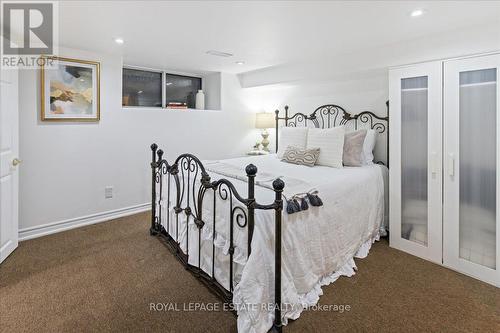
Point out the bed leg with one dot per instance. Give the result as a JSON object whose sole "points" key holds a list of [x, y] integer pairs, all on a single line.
{"points": [[278, 186], [152, 230]]}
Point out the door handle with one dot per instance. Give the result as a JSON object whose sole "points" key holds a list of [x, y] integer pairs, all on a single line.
{"points": [[451, 165], [434, 163], [16, 162]]}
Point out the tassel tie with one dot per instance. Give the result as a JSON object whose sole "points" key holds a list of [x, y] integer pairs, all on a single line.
{"points": [[302, 201]]}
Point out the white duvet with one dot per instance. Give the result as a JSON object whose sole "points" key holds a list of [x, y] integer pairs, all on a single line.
{"points": [[318, 245]]}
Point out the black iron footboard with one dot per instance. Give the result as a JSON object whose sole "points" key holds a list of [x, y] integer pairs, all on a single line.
{"points": [[187, 186]]}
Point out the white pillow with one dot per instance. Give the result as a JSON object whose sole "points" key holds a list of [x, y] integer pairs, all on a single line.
{"points": [[368, 146], [291, 136], [330, 142]]}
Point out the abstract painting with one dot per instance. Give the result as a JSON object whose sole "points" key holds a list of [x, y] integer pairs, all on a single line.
{"points": [[70, 90]]}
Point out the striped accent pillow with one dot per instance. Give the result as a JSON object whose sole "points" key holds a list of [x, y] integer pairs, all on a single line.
{"points": [[292, 136], [331, 143], [301, 156]]}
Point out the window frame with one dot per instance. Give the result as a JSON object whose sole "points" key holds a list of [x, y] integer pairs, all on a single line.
{"points": [[163, 83], [151, 70], [181, 75]]}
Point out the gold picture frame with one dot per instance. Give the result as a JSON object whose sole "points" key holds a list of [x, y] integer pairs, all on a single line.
{"points": [[70, 97]]}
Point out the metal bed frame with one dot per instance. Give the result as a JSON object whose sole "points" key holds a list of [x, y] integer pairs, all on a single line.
{"points": [[331, 115], [192, 184]]}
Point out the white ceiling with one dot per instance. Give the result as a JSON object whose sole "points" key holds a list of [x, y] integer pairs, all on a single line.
{"points": [[176, 34]]}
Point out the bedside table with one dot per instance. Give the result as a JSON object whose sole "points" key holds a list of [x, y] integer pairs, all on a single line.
{"points": [[257, 152]]}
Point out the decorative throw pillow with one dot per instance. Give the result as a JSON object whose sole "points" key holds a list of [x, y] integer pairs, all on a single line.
{"points": [[353, 148], [368, 146], [291, 136], [330, 141], [301, 156]]}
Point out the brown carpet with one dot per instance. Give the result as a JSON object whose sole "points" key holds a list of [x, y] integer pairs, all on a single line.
{"points": [[103, 278]]}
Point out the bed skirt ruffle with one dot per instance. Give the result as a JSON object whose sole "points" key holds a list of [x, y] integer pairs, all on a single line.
{"points": [[312, 297], [348, 269]]}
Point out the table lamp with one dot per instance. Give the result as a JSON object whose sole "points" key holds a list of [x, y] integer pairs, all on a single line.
{"points": [[264, 120]]}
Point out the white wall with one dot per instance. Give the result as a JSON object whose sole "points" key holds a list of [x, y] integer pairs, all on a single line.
{"points": [[454, 43], [67, 165], [361, 93]]}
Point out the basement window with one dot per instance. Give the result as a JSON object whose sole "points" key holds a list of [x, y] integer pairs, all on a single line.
{"points": [[158, 89], [142, 88], [180, 91]]}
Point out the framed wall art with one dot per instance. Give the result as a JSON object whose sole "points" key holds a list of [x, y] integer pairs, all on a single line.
{"points": [[69, 89]]}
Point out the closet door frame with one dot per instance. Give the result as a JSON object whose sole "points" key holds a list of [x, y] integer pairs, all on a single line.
{"points": [[433, 72], [451, 204]]}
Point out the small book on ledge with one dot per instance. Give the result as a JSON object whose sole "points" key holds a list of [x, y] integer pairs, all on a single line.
{"points": [[174, 105]]}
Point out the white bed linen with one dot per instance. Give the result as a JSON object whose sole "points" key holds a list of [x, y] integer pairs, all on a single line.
{"points": [[318, 245]]}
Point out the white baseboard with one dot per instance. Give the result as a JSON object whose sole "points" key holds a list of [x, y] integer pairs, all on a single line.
{"points": [[54, 227]]}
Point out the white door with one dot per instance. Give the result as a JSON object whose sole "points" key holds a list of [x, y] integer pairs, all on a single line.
{"points": [[9, 175], [472, 160], [415, 177]]}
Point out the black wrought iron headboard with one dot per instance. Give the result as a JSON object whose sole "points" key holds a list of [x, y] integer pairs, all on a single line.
{"points": [[331, 115]]}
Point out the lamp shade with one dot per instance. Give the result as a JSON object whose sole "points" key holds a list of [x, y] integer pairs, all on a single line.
{"points": [[264, 120]]}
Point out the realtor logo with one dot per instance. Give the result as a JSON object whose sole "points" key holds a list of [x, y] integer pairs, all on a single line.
{"points": [[29, 30]]}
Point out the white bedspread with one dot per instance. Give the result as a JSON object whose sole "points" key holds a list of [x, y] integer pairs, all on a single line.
{"points": [[318, 245]]}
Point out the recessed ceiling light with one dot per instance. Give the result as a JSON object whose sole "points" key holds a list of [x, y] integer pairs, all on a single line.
{"points": [[240, 63], [417, 12], [139, 92], [169, 83], [119, 41], [219, 53]]}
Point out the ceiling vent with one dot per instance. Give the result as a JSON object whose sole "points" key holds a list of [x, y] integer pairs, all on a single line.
{"points": [[219, 53]]}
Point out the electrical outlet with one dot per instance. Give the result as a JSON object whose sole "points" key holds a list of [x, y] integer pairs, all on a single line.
{"points": [[108, 192]]}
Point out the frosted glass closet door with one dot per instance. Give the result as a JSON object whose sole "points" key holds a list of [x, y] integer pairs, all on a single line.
{"points": [[472, 155], [415, 150], [414, 161]]}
